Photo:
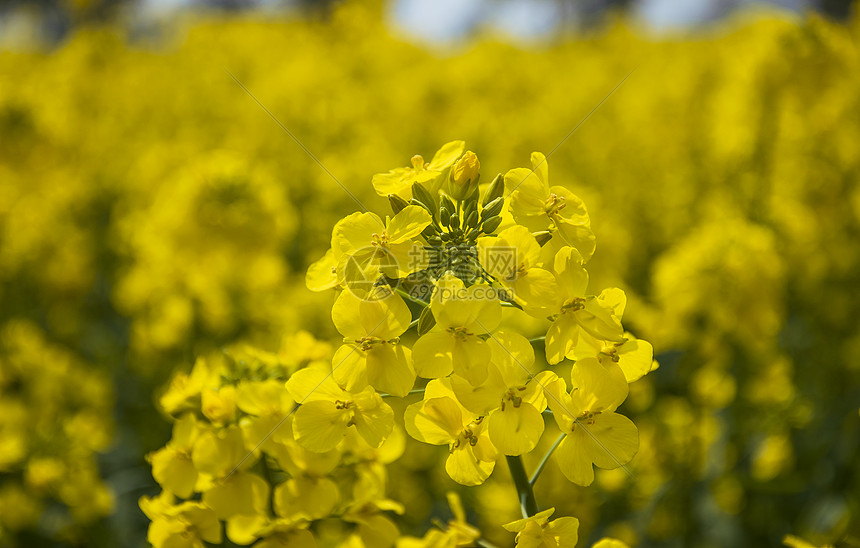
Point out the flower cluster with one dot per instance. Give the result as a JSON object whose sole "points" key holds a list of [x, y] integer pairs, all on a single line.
{"points": [[459, 264], [241, 455]]}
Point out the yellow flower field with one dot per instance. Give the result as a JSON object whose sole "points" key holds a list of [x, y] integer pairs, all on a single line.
{"points": [[300, 282]]}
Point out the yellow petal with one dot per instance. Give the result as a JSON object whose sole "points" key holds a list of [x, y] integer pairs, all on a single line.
{"points": [[516, 430], [240, 494], [313, 383], [574, 463], [322, 274], [471, 358], [514, 355], [374, 422], [613, 442], [447, 154], [562, 335], [349, 368], [598, 387], [319, 425], [437, 421], [564, 531], [598, 321], [635, 357], [389, 369], [466, 469], [311, 498], [244, 529], [408, 223], [174, 471], [484, 397], [433, 355], [355, 232], [572, 277]]}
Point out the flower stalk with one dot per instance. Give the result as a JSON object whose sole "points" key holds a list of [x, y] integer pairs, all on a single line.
{"points": [[525, 493]]}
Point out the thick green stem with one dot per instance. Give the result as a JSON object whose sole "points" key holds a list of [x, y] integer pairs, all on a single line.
{"points": [[528, 504]]}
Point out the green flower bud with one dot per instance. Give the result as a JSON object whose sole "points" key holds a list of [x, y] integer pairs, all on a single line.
{"points": [[397, 203], [444, 216], [454, 221], [542, 237], [493, 208], [426, 321], [423, 196], [472, 219], [495, 190], [447, 204], [491, 224]]}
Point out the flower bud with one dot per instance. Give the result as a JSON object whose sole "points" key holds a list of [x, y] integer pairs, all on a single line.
{"points": [[423, 196], [495, 190], [491, 224], [426, 321], [493, 208], [397, 203], [464, 176], [542, 237]]}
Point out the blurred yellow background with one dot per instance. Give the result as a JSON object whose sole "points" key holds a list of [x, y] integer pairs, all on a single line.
{"points": [[151, 211]]}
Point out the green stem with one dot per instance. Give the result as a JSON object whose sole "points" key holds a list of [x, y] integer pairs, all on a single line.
{"points": [[537, 339], [409, 297], [267, 474], [528, 504], [545, 459]]}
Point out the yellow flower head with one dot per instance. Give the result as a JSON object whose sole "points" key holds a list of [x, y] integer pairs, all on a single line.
{"points": [[538, 532], [596, 435], [463, 315], [439, 419], [538, 206]]}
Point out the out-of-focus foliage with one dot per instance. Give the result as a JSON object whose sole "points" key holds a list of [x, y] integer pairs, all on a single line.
{"points": [[151, 211]]}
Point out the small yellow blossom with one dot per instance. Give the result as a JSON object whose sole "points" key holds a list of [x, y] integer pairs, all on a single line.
{"points": [[537, 532]]}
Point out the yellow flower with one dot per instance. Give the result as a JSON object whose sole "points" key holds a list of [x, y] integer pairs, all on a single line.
{"points": [[400, 180], [537, 532], [464, 176], [219, 406], [512, 259], [574, 313], [185, 387], [267, 403], [185, 525], [365, 247], [455, 343], [307, 497], [372, 353], [511, 398], [231, 490], [439, 419], [172, 466], [327, 411], [634, 356], [595, 433], [538, 206]]}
